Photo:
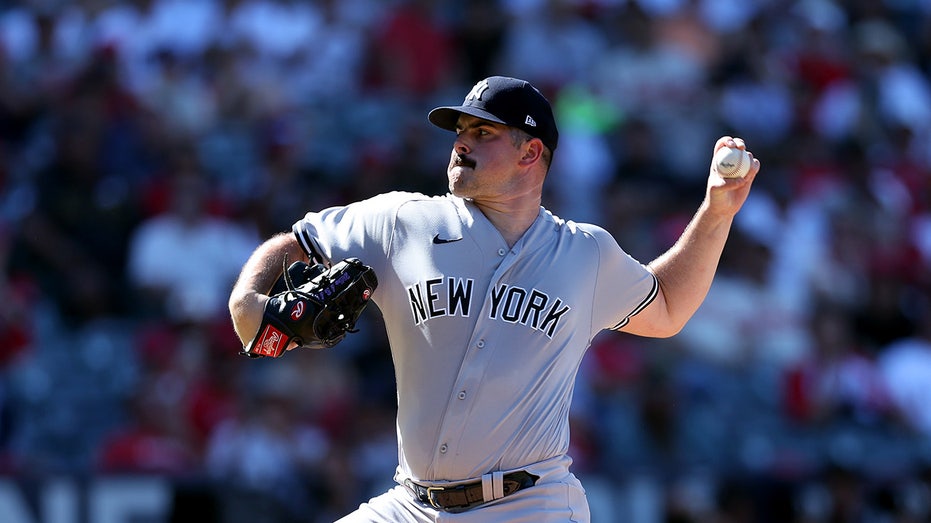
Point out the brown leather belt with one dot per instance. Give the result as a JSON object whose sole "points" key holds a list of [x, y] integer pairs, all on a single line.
{"points": [[464, 496]]}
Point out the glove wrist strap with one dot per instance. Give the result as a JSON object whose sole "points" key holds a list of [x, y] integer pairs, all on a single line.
{"points": [[269, 341]]}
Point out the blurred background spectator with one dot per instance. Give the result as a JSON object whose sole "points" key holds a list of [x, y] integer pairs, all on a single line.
{"points": [[146, 146]]}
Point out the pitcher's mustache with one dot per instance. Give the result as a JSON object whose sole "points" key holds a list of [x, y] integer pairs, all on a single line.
{"points": [[465, 161]]}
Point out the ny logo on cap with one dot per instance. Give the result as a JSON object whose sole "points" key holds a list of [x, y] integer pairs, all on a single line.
{"points": [[477, 91]]}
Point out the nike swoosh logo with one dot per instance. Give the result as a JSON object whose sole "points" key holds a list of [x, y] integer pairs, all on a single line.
{"points": [[438, 240]]}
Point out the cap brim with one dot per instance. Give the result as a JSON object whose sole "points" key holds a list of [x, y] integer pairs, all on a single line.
{"points": [[446, 117]]}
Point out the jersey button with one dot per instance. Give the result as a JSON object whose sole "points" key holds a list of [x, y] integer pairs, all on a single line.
{"points": [[443, 448], [502, 252], [462, 395], [480, 344]]}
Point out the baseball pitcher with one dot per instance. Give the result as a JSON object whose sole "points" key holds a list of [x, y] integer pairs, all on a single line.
{"points": [[490, 302]]}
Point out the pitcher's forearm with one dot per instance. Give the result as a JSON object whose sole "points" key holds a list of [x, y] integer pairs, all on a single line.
{"points": [[686, 270], [258, 275], [246, 313]]}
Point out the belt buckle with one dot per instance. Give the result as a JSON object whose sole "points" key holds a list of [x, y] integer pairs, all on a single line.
{"points": [[432, 499]]}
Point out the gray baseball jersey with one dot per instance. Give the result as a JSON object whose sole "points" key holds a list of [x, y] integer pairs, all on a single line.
{"points": [[486, 339]]}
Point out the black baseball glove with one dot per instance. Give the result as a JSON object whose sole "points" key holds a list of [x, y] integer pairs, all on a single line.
{"points": [[318, 311]]}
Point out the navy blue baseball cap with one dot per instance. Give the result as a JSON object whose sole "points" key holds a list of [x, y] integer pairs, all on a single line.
{"points": [[507, 101]]}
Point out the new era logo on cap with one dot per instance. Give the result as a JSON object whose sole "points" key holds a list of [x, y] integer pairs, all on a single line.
{"points": [[508, 101]]}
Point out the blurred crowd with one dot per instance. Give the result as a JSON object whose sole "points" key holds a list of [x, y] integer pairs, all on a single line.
{"points": [[147, 146]]}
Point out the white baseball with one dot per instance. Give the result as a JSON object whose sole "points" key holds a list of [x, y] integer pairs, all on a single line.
{"points": [[732, 163]]}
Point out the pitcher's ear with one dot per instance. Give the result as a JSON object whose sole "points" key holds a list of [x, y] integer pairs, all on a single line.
{"points": [[533, 150]]}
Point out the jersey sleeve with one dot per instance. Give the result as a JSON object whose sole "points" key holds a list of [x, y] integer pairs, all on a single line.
{"points": [[361, 229], [623, 285]]}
